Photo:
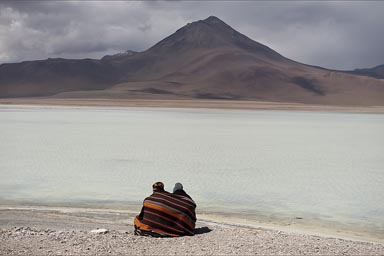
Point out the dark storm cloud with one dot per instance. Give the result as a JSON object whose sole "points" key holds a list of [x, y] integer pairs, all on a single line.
{"points": [[340, 35], [70, 29]]}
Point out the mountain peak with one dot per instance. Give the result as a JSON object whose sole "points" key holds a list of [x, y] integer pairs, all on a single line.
{"points": [[213, 23], [213, 20], [210, 33]]}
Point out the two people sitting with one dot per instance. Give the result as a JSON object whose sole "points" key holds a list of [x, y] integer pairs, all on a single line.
{"points": [[166, 214]]}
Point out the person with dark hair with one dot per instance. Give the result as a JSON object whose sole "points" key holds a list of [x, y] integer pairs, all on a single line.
{"points": [[166, 214], [179, 190]]}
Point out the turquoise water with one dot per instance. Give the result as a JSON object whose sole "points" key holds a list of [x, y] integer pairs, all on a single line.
{"points": [[321, 167]]}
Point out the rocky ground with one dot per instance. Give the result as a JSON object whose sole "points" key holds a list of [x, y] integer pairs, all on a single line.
{"points": [[208, 241], [66, 231]]}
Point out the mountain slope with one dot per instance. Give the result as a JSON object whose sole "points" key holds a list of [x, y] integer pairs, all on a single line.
{"points": [[52, 76], [204, 59]]}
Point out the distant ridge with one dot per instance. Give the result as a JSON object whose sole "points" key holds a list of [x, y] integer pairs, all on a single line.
{"points": [[204, 59], [376, 72]]}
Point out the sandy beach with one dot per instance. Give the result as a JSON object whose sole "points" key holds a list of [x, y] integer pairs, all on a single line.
{"points": [[45, 231]]}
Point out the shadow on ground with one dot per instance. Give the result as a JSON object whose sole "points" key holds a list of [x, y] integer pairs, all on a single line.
{"points": [[202, 230]]}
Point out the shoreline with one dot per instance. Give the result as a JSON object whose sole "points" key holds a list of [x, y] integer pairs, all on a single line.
{"points": [[118, 217], [57, 232], [192, 104]]}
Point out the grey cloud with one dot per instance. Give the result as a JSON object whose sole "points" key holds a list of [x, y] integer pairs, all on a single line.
{"points": [[66, 29], [339, 35], [145, 27]]}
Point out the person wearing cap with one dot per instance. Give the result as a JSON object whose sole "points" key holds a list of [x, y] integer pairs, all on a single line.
{"points": [[158, 187], [166, 214]]}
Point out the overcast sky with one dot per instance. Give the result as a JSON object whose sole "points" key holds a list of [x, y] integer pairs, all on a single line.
{"points": [[332, 34]]}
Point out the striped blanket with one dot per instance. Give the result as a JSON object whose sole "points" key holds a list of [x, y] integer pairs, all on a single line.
{"points": [[165, 214]]}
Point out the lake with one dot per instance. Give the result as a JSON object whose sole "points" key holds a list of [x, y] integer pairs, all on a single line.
{"points": [[319, 168]]}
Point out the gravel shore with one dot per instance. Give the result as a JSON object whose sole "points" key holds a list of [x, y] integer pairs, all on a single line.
{"points": [[218, 241], [50, 232]]}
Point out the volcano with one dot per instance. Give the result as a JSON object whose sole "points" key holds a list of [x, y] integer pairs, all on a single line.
{"points": [[206, 59]]}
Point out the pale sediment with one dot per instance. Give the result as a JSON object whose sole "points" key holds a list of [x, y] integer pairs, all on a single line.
{"points": [[189, 103]]}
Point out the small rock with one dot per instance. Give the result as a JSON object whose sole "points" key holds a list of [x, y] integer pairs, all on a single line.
{"points": [[100, 231]]}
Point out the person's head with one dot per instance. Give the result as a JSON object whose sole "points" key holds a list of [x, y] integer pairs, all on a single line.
{"points": [[178, 186], [158, 186]]}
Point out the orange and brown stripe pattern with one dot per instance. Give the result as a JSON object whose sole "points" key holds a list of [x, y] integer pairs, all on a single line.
{"points": [[166, 214]]}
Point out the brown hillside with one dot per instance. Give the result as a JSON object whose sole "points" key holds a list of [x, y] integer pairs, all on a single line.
{"points": [[204, 59]]}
